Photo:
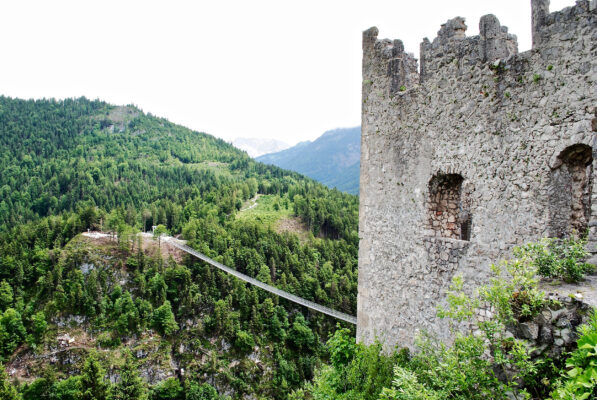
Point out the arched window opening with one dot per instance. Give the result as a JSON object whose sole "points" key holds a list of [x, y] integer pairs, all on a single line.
{"points": [[570, 191], [447, 216]]}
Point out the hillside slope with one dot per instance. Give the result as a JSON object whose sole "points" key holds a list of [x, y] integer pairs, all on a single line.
{"points": [[332, 159], [76, 165], [55, 155]]}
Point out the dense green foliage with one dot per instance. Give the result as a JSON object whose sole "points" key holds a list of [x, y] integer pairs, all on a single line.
{"points": [[434, 372], [91, 384], [464, 370], [356, 371], [130, 386], [579, 381], [332, 159], [7, 391], [56, 155], [75, 165], [561, 259]]}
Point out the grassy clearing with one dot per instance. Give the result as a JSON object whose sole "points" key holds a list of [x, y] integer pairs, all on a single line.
{"points": [[296, 226], [269, 209]]}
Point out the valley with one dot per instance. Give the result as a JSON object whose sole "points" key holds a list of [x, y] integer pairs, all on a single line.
{"points": [[446, 248], [130, 300]]}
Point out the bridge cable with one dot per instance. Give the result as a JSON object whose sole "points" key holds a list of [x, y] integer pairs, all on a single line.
{"points": [[288, 296]]}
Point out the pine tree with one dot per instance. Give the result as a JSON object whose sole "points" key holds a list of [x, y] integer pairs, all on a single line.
{"points": [[12, 331], [130, 386], [6, 295], [163, 319], [93, 385], [195, 391], [7, 391]]}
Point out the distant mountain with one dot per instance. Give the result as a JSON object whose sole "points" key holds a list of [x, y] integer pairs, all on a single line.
{"points": [[332, 159], [256, 147]]}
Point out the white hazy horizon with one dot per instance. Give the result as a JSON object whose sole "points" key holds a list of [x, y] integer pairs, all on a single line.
{"points": [[261, 69]]}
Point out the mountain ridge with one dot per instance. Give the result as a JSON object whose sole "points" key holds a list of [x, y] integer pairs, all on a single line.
{"points": [[332, 159], [256, 147]]}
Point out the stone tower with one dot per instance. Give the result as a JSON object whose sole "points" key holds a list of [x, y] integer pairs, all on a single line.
{"points": [[481, 150]]}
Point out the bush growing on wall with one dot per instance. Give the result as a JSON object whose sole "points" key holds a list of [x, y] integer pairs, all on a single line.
{"points": [[560, 259]]}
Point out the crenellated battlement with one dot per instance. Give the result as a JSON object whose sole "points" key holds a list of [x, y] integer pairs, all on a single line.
{"points": [[546, 25], [401, 68], [453, 47]]}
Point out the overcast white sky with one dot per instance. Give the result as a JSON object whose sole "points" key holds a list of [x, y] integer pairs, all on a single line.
{"points": [[274, 69]]}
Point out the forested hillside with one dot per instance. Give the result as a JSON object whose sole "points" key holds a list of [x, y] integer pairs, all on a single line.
{"points": [[332, 159], [76, 165]]}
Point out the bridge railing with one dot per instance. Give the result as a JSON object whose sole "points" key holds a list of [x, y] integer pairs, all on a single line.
{"points": [[289, 296]]}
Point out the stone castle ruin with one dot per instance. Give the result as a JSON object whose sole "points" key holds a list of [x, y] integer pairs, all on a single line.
{"points": [[482, 149]]}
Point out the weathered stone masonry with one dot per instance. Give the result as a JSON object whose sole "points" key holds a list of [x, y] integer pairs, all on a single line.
{"points": [[481, 150]]}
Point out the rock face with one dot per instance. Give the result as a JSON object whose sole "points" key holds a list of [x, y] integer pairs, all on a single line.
{"points": [[484, 149], [551, 334]]}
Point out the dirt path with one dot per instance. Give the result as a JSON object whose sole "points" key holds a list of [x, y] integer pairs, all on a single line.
{"points": [[254, 200], [96, 235]]}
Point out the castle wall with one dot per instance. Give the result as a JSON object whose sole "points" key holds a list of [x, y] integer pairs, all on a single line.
{"points": [[494, 120]]}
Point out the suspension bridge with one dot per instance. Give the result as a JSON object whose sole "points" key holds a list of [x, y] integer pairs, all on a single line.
{"points": [[288, 296]]}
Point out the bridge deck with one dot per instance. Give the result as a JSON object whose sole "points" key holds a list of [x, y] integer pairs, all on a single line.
{"points": [[298, 300]]}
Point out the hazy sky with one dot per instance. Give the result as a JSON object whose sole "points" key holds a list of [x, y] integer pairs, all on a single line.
{"points": [[277, 69]]}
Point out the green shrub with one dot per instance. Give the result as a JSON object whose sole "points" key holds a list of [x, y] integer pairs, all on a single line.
{"points": [[12, 332], [439, 372], [7, 391], [170, 389], [406, 386], [196, 391], [579, 382], [513, 291], [562, 259], [68, 389], [92, 383], [130, 386], [39, 326], [108, 340], [163, 319], [244, 341], [38, 389], [358, 372]]}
